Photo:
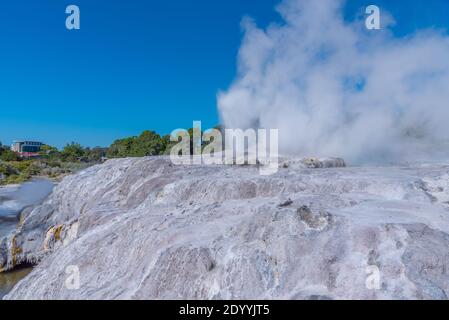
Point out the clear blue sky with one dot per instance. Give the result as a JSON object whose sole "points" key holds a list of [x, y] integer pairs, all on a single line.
{"points": [[135, 64]]}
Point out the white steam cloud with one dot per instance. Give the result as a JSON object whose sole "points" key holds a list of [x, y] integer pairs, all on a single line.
{"points": [[334, 88]]}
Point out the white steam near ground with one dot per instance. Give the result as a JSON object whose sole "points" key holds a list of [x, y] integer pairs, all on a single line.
{"points": [[334, 88]]}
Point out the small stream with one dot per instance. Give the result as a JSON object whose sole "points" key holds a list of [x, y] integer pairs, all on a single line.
{"points": [[13, 199], [9, 279]]}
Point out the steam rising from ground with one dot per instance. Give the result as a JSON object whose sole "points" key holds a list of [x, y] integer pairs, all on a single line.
{"points": [[334, 88]]}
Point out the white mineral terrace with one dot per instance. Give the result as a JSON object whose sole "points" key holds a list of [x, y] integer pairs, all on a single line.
{"points": [[143, 228]]}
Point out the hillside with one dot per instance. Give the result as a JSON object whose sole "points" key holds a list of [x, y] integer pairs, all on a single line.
{"points": [[146, 229]]}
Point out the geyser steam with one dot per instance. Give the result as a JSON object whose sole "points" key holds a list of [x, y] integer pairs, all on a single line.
{"points": [[334, 88]]}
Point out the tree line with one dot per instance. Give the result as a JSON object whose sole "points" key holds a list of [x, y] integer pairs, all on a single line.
{"points": [[72, 152], [148, 143], [55, 163]]}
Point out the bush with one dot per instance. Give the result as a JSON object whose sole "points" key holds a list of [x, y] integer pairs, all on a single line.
{"points": [[9, 155], [149, 143], [6, 170], [72, 152]]}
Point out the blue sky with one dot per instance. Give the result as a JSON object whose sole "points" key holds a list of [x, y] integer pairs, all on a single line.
{"points": [[135, 64]]}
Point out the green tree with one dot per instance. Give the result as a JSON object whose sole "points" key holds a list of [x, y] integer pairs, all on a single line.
{"points": [[49, 152], [9, 155], [73, 152], [149, 143], [95, 154], [121, 148]]}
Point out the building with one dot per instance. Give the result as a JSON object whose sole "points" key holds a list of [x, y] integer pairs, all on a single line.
{"points": [[27, 148]]}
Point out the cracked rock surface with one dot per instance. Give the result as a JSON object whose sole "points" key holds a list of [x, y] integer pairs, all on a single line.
{"points": [[145, 229]]}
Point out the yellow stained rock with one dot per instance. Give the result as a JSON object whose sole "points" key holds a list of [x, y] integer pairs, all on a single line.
{"points": [[53, 234]]}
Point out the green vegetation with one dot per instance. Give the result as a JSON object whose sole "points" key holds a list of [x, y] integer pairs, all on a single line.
{"points": [[15, 172], [51, 162], [8, 155], [54, 163], [149, 143]]}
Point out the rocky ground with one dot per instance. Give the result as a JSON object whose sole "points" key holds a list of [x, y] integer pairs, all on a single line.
{"points": [[143, 228]]}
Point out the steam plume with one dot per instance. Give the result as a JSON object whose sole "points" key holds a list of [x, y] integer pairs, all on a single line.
{"points": [[334, 88]]}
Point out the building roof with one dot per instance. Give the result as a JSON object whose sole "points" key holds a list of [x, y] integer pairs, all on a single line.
{"points": [[26, 141]]}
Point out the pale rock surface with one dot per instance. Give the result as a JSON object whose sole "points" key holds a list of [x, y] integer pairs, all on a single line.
{"points": [[146, 229]]}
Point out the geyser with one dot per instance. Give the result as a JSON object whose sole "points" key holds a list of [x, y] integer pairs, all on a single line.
{"points": [[334, 88]]}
